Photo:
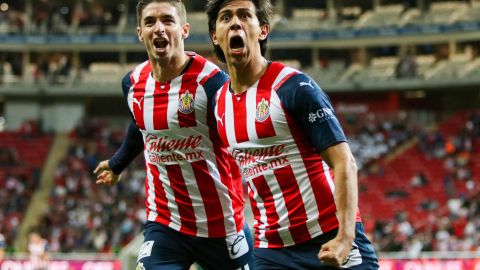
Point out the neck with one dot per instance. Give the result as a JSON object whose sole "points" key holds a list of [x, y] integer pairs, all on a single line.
{"points": [[167, 69], [242, 77]]}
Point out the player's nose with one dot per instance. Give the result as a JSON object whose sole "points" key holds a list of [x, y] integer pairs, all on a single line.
{"points": [[235, 23], [159, 27]]}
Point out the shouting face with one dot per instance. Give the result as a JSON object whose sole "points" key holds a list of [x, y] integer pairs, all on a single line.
{"points": [[238, 32], [162, 31]]}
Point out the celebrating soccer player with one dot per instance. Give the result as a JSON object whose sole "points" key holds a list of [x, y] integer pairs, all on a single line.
{"points": [[194, 195], [283, 132]]}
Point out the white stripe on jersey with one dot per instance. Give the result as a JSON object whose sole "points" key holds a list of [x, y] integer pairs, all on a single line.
{"points": [[152, 215], [172, 108], [229, 121], [326, 171], [280, 207], [208, 68], [263, 217], [171, 203], [285, 71], [136, 72], [148, 103]]}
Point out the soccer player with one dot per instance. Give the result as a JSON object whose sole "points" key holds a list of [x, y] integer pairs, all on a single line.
{"points": [[37, 249], [282, 130], [194, 196]]}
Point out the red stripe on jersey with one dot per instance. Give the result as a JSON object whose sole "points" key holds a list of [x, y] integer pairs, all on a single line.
{"points": [[186, 95], [320, 187], [160, 106], [264, 192], [208, 191], [205, 79], [139, 95], [160, 196], [229, 171], [264, 90], [294, 204], [240, 117], [220, 114], [284, 80], [182, 199]]}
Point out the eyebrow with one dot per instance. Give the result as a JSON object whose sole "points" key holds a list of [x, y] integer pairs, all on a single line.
{"points": [[150, 17], [228, 10]]}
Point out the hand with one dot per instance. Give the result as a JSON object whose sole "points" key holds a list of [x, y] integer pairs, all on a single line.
{"points": [[335, 251], [105, 175]]}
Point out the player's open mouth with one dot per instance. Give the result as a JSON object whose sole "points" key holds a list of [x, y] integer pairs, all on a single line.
{"points": [[160, 43], [236, 44]]}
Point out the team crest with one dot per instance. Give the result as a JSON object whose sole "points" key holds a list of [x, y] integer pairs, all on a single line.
{"points": [[186, 103], [263, 111], [140, 266]]}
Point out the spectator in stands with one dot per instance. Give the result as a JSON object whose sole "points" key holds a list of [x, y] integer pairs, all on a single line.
{"points": [[407, 65], [419, 180]]}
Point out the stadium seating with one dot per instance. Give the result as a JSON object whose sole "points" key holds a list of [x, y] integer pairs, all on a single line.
{"points": [[20, 177]]}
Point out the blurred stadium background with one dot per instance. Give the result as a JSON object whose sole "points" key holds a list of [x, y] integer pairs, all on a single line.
{"points": [[404, 77]]}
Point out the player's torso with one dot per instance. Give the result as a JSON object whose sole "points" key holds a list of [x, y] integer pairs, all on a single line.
{"points": [[284, 174], [188, 187]]}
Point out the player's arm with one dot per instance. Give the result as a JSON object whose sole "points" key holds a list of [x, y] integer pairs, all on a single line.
{"points": [[312, 110], [340, 159], [108, 171]]}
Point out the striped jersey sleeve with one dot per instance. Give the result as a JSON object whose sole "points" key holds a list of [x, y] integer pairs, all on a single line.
{"points": [[311, 108], [213, 85], [132, 145]]}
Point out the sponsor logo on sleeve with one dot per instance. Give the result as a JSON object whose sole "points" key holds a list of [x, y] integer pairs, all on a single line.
{"points": [[321, 115]]}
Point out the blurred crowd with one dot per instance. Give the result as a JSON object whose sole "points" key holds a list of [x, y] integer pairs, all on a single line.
{"points": [[451, 227], [19, 176], [83, 216]]}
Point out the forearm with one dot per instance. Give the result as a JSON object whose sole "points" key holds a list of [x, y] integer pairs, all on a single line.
{"points": [[346, 197], [131, 147]]}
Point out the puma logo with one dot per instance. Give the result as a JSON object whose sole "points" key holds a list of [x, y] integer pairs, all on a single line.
{"points": [[219, 119], [138, 102], [309, 83]]}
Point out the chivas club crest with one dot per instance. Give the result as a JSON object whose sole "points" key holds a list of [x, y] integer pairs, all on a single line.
{"points": [[186, 103], [263, 111]]}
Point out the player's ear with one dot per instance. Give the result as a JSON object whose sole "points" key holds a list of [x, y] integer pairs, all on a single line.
{"points": [[213, 36], [139, 33], [185, 30], [264, 31]]}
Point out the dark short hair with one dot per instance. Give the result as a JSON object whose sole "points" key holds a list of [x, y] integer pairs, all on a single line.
{"points": [[178, 4], [263, 13]]}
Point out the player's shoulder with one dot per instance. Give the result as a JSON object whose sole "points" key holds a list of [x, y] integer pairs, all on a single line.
{"points": [[298, 81]]}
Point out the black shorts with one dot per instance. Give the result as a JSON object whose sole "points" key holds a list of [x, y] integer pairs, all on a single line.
{"points": [[168, 249], [304, 255]]}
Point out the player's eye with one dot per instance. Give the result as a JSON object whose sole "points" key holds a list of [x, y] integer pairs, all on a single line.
{"points": [[225, 18]]}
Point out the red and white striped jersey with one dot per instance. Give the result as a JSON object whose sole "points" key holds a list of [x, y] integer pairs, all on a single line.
{"points": [[190, 185], [275, 130]]}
